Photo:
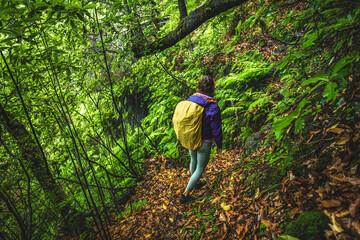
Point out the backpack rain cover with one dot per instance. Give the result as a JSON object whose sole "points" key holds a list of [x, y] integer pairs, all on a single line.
{"points": [[187, 121]]}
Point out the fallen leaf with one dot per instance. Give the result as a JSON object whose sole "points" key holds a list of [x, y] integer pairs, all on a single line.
{"points": [[331, 203], [267, 223], [293, 212], [225, 228], [215, 200], [222, 217], [225, 207], [257, 193], [354, 207], [356, 226], [343, 140], [335, 226], [239, 228], [228, 216], [342, 213], [311, 160], [354, 181], [335, 130], [334, 126], [208, 230], [171, 220]]}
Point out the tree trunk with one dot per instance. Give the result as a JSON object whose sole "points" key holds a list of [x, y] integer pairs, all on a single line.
{"points": [[32, 160], [187, 25], [182, 8]]}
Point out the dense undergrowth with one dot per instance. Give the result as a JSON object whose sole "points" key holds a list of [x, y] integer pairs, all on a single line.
{"points": [[316, 72], [287, 80]]}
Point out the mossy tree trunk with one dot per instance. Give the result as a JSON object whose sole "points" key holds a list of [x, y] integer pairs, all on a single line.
{"points": [[187, 25], [182, 9], [33, 160]]}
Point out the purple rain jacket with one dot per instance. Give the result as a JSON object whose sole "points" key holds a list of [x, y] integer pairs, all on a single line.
{"points": [[211, 125]]}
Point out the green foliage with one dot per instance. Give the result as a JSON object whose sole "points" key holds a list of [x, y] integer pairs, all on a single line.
{"points": [[239, 97], [98, 119]]}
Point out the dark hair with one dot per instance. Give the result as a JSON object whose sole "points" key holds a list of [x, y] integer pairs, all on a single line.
{"points": [[206, 86]]}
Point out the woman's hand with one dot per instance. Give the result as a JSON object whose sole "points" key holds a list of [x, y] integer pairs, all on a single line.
{"points": [[218, 151]]}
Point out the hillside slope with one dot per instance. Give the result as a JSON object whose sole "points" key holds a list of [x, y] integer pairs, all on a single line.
{"points": [[229, 208], [288, 87]]}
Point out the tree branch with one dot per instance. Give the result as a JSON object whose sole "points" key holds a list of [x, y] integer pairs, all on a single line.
{"points": [[182, 9], [187, 25]]}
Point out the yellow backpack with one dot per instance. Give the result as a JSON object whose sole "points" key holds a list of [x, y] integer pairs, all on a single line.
{"points": [[187, 121]]}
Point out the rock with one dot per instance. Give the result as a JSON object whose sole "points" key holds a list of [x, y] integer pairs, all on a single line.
{"points": [[254, 142]]}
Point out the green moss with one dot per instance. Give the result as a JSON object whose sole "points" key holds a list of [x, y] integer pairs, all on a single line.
{"points": [[309, 225]]}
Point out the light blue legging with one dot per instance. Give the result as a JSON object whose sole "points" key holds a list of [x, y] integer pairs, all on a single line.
{"points": [[199, 159]]}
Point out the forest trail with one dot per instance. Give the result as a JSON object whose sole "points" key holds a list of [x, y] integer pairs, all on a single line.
{"points": [[228, 208]]}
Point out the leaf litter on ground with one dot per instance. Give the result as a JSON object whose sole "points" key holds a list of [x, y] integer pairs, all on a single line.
{"points": [[227, 208]]}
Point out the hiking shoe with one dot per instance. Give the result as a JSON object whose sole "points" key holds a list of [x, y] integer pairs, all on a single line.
{"points": [[187, 199], [200, 184]]}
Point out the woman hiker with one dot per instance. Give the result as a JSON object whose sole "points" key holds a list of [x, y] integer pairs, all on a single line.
{"points": [[211, 130]]}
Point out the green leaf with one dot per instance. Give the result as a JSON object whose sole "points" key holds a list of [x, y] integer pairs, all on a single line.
{"points": [[41, 5], [303, 103], [314, 80], [342, 63], [272, 160], [89, 6], [330, 91], [280, 124], [299, 125]]}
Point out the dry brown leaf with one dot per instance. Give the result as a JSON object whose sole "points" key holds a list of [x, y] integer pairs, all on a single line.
{"points": [[353, 181], [356, 226], [222, 217], [293, 212], [267, 223], [239, 228], [337, 178], [215, 200], [335, 226], [354, 207], [335, 130], [331, 203], [228, 216], [242, 235], [344, 126], [343, 139], [310, 161], [342, 213]]}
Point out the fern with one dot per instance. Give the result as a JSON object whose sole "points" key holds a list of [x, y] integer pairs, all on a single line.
{"points": [[262, 101], [233, 110]]}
